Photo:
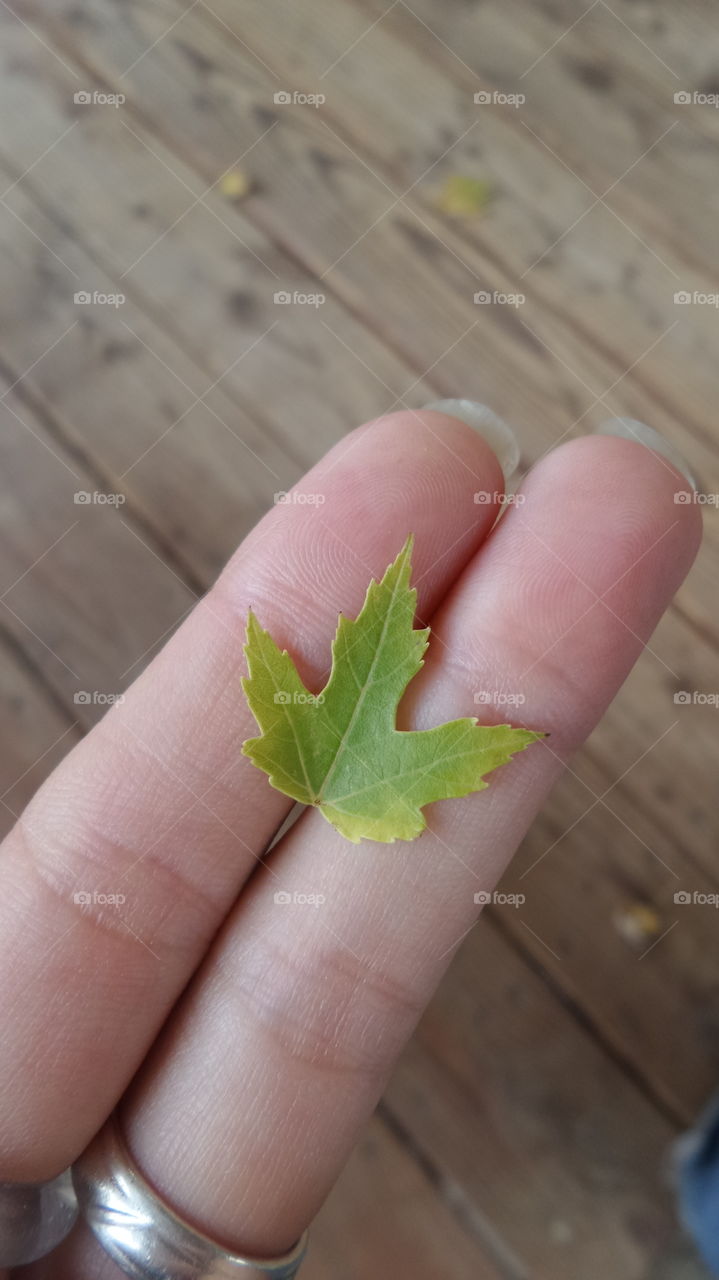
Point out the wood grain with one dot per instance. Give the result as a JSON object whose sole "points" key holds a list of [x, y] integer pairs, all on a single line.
{"points": [[417, 1234], [554, 367], [503, 1090]]}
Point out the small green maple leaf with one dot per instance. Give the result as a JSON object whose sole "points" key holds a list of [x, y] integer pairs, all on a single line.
{"points": [[340, 749]]}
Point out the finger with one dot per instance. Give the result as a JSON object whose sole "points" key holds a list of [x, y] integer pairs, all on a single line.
{"points": [[156, 819], [254, 1095]]}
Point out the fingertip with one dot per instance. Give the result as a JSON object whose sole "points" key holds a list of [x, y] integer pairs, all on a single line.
{"points": [[404, 435], [629, 489], [574, 579], [633, 429], [494, 430]]}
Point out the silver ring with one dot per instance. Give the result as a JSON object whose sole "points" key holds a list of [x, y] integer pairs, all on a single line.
{"points": [[34, 1218], [144, 1236]]}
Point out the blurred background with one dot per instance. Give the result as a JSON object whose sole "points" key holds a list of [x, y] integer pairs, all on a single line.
{"points": [[230, 230]]}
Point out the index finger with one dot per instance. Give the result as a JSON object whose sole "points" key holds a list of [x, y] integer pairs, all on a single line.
{"points": [[116, 878]]}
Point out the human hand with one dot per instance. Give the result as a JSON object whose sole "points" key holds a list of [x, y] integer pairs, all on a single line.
{"points": [[245, 1090]]}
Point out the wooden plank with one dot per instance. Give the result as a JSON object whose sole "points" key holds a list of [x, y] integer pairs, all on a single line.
{"points": [[152, 224], [550, 53], [616, 288], [85, 596], [600, 878], [616, 52], [416, 1233], [37, 731], [631, 824], [391, 126], [112, 386], [502, 1091], [647, 740], [647, 989], [541, 368]]}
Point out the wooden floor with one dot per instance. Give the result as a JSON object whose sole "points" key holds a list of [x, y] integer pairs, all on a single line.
{"points": [[526, 1130]]}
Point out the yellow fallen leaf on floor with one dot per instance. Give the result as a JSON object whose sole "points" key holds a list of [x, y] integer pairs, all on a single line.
{"points": [[235, 184], [461, 196], [638, 923]]}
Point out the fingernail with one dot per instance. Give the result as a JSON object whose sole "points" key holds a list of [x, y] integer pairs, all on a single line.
{"points": [[632, 429], [500, 437]]}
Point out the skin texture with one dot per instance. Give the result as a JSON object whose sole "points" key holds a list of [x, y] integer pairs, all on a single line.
{"points": [[262, 1077]]}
